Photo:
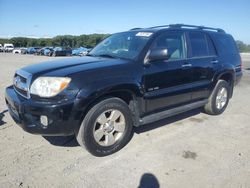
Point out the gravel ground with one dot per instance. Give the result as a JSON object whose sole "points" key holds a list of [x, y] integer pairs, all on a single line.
{"points": [[189, 150]]}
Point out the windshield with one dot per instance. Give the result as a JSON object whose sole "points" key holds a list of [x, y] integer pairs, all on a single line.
{"points": [[126, 45]]}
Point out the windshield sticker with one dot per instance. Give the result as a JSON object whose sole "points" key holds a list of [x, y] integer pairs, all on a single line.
{"points": [[144, 34]]}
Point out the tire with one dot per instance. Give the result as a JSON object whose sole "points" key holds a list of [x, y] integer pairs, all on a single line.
{"points": [[100, 113], [212, 107], [54, 54]]}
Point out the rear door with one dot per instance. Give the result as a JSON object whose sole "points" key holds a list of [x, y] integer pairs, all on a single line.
{"points": [[168, 83], [204, 61]]}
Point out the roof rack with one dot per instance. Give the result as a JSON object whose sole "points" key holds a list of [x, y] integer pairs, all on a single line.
{"points": [[190, 26], [135, 28]]}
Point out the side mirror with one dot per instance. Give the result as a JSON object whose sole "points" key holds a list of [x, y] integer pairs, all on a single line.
{"points": [[158, 54]]}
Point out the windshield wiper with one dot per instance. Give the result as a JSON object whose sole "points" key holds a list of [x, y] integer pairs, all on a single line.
{"points": [[89, 55], [106, 55]]}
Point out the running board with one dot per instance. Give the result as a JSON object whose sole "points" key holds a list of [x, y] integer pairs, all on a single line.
{"points": [[174, 111]]}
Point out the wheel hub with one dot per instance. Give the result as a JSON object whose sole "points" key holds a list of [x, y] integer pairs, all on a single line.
{"points": [[108, 127]]}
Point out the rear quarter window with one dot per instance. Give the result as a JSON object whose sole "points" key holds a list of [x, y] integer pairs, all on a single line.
{"points": [[225, 44]]}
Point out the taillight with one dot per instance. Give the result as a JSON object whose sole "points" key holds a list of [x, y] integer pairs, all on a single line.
{"points": [[240, 63]]}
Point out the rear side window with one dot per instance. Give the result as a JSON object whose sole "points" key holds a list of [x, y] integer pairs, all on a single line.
{"points": [[210, 46], [201, 45]]}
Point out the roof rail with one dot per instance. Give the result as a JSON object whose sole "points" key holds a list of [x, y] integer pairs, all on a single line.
{"points": [[190, 26], [159, 26], [135, 28]]}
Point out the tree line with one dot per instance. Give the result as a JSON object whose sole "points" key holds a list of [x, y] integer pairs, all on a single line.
{"points": [[87, 41], [242, 46]]}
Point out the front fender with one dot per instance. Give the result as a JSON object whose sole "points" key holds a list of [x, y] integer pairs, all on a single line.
{"points": [[95, 90]]}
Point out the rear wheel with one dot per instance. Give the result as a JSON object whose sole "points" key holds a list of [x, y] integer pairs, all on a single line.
{"points": [[106, 128], [219, 98]]}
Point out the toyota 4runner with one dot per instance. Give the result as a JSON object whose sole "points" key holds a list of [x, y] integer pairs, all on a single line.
{"points": [[130, 79]]}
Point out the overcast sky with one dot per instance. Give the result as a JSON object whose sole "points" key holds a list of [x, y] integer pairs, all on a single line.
{"points": [[48, 18]]}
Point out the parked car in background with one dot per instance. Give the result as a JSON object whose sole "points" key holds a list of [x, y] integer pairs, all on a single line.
{"points": [[48, 51], [1, 48], [23, 50], [19, 50], [8, 47], [79, 51], [32, 50], [38, 51], [84, 53], [61, 51], [41, 50]]}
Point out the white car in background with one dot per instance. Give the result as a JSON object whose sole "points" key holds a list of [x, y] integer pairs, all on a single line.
{"points": [[1, 48], [8, 47], [17, 51]]}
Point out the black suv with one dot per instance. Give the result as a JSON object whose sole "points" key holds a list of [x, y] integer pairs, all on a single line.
{"points": [[129, 79]]}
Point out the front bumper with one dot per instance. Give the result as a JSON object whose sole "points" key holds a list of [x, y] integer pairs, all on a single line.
{"points": [[27, 113]]}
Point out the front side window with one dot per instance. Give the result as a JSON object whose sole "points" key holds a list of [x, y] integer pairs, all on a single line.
{"points": [[126, 45], [173, 43]]}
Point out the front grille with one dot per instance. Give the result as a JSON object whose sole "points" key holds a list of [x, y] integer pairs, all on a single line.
{"points": [[22, 83]]}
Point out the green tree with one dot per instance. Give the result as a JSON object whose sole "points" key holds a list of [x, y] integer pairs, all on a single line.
{"points": [[62, 40], [243, 47]]}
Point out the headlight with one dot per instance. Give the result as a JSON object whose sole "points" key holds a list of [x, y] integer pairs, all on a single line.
{"points": [[49, 86]]}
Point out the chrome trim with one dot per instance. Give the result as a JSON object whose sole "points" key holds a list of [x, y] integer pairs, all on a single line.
{"points": [[214, 61], [23, 86], [186, 65]]}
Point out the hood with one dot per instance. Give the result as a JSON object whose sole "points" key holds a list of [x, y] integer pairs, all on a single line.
{"points": [[69, 65]]}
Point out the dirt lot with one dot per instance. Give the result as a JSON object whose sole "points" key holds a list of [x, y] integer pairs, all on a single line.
{"points": [[189, 150]]}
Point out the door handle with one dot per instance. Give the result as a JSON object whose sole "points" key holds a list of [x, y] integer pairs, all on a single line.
{"points": [[186, 65], [214, 61]]}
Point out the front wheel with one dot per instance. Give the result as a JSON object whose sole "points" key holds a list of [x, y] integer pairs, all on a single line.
{"points": [[106, 128], [219, 98]]}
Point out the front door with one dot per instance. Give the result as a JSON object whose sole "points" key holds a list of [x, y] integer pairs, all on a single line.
{"points": [[167, 83]]}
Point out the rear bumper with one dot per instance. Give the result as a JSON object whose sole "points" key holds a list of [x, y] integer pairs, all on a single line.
{"points": [[238, 77], [27, 112]]}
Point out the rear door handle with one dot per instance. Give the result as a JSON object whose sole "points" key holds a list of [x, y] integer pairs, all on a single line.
{"points": [[186, 65], [214, 61]]}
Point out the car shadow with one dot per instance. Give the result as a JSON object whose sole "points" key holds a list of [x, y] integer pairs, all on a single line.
{"points": [[62, 141], [166, 121], [70, 141], [149, 180], [2, 116]]}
